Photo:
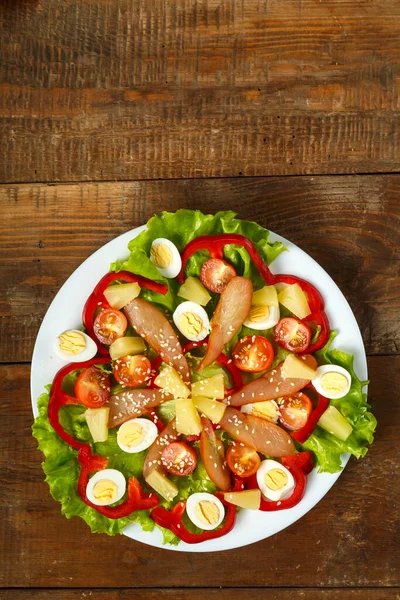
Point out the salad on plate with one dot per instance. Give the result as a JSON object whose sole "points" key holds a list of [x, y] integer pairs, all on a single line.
{"points": [[199, 384]]}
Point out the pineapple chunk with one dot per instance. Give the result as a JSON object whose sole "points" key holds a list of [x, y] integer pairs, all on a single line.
{"points": [[97, 420], [212, 409], [195, 291], [162, 485], [246, 499], [127, 345], [295, 300], [119, 296], [210, 388], [267, 296], [295, 368], [170, 381], [335, 423], [187, 418]]}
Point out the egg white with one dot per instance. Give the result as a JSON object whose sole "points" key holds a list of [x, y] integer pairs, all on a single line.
{"points": [[192, 307], [174, 267], [150, 433], [331, 369], [268, 322], [87, 353], [111, 474], [191, 504], [275, 495]]}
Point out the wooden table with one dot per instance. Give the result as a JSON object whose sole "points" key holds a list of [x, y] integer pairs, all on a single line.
{"points": [[285, 111]]}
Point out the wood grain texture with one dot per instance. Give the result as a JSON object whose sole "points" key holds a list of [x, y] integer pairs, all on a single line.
{"points": [[350, 539], [199, 594], [349, 224], [144, 90]]}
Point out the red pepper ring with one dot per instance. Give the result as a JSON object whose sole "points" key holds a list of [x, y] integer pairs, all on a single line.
{"points": [[222, 360], [136, 500], [97, 299], [304, 433], [320, 319], [215, 245], [172, 519], [58, 398], [300, 465]]}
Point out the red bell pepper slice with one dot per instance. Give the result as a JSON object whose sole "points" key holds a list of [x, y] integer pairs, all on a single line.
{"points": [[58, 398], [320, 319], [172, 520], [302, 460], [222, 360], [300, 465], [136, 500], [215, 245], [97, 299], [304, 433]]}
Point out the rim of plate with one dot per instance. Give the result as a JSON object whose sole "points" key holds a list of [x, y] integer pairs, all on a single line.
{"points": [[65, 311]]}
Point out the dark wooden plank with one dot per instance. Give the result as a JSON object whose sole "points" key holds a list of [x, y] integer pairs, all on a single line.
{"points": [[349, 224], [146, 90], [199, 594], [351, 538]]}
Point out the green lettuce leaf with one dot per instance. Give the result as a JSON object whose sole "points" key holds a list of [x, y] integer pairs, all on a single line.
{"points": [[354, 407]]}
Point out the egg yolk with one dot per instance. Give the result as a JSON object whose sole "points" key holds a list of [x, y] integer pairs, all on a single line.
{"points": [[265, 410], [207, 512], [333, 382], [72, 342], [161, 256], [258, 313], [131, 435], [276, 479], [105, 491], [190, 324]]}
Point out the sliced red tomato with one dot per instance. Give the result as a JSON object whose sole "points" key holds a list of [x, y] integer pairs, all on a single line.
{"points": [[179, 459], [230, 314], [293, 335], [109, 325], [212, 455], [215, 274], [242, 460], [92, 388], [132, 370], [253, 353], [294, 411]]}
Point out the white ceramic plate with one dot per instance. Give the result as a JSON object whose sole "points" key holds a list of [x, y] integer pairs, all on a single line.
{"points": [[65, 313]]}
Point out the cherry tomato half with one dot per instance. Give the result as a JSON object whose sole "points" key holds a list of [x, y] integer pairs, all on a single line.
{"points": [[132, 370], [293, 335], [179, 459], [215, 274], [242, 460], [109, 325], [92, 388], [253, 353], [294, 411]]}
